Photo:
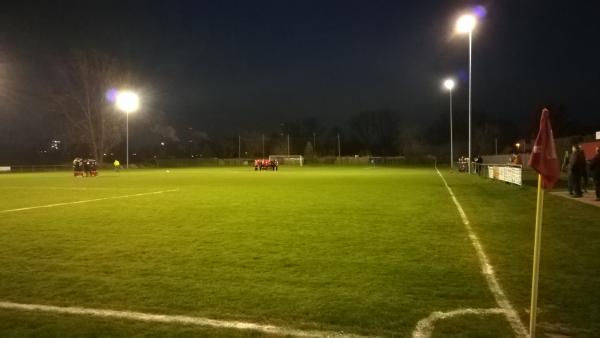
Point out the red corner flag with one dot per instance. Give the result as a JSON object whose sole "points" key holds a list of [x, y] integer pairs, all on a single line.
{"points": [[543, 157]]}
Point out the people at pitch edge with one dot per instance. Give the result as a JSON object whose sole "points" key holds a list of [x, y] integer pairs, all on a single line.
{"points": [[516, 159], [584, 176], [595, 171], [117, 165], [565, 168], [462, 164], [576, 171], [478, 164]]}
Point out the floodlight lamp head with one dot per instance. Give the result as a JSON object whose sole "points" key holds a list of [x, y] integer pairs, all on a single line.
{"points": [[128, 101], [466, 23], [449, 84]]}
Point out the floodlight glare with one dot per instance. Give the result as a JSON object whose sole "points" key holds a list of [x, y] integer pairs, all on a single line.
{"points": [[449, 84], [128, 101], [466, 23]]}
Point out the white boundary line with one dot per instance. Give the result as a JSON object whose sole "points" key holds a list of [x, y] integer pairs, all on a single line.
{"points": [[425, 326], [53, 188], [86, 201], [487, 270], [177, 319]]}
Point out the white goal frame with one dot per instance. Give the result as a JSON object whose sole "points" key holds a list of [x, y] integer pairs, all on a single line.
{"points": [[288, 159]]}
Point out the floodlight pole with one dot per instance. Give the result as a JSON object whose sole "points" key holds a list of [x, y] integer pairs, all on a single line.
{"points": [[314, 144], [239, 147], [451, 138], [339, 146], [127, 139], [470, 48], [263, 145], [288, 143]]}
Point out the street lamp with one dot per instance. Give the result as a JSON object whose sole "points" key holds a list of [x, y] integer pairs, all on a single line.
{"points": [[466, 24], [127, 102], [449, 85]]}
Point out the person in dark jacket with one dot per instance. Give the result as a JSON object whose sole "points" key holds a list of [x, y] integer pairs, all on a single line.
{"points": [[595, 171], [585, 175], [565, 168], [576, 170]]}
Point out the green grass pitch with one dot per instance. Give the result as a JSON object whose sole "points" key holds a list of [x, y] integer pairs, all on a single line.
{"points": [[368, 251]]}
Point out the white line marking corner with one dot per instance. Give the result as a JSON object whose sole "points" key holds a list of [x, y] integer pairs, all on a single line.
{"points": [[487, 270], [425, 326]]}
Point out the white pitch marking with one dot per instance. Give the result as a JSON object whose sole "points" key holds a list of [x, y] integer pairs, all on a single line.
{"points": [[488, 270], [178, 319], [425, 326], [86, 201], [53, 188]]}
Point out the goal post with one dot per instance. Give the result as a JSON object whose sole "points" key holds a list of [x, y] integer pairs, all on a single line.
{"points": [[288, 159]]}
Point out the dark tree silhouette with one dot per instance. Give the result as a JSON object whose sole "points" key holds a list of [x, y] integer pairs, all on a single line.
{"points": [[79, 96]]}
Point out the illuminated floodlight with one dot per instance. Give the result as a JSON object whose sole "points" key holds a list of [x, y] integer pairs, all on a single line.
{"points": [[128, 101], [449, 84], [466, 23]]}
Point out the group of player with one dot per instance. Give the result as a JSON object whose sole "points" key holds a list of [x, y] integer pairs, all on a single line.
{"points": [[85, 168], [265, 164]]}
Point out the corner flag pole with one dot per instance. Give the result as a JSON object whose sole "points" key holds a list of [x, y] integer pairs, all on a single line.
{"points": [[543, 160], [536, 257]]}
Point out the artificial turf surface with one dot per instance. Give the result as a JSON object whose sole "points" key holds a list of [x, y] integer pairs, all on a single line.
{"points": [[361, 250]]}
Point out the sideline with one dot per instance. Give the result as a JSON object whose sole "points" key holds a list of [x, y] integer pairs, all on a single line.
{"points": [[178, 319], [488, 272], [86, 201]]}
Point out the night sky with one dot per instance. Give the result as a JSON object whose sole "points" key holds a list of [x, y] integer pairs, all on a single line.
{"points": [[225, 66]]}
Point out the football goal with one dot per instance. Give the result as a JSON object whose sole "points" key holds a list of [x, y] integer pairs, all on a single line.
{"points": [[288, 159]]}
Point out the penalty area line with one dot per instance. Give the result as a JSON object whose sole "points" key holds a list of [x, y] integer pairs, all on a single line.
{"points": [[87, 201], [487, 269], [173, 319]]}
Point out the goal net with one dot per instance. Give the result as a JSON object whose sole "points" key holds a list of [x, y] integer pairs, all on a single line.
{"points": [[288, 159]]}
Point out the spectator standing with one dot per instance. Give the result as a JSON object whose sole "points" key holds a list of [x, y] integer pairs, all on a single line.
{"points": [[595, 171], [565, 168], [576, 170], [585, 175], [565, 162]]}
